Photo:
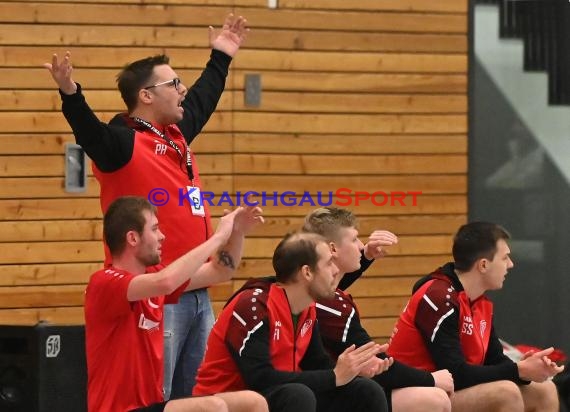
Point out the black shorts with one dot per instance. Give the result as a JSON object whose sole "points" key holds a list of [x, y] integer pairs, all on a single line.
{"points": [[155, 407]]}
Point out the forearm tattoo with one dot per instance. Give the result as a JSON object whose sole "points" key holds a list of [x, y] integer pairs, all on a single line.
{"points": [[225, 259]]}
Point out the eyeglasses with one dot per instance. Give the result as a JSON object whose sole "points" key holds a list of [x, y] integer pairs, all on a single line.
{"points": [[174, 82]]}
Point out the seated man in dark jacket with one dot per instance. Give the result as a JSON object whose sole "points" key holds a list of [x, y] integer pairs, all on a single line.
{"points": [[408, 389]]}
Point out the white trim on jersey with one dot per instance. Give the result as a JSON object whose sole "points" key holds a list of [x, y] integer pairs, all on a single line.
{"points": [[344, 335], [328, 309], [251, 332], [239, 318], [439, 322], [429, 301]]}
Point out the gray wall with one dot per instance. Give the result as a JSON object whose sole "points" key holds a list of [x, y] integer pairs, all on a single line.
{"points": [[512, 181]]}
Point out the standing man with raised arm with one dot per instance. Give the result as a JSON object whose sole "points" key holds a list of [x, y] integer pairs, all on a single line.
{"points": [[448, 323], [407, 389], [146, 152], [267, 339], [124, 309]]}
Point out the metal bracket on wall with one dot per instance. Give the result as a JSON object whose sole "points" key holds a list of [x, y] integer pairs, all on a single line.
{"points": [[252, 94], [75, 169]]}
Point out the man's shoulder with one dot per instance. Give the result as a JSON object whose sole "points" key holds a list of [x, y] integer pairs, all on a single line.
{"points": [[250, 304], [340, 305], [438, 289], [108, 276]]}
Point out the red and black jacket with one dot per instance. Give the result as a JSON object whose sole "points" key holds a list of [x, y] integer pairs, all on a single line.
{"points": [[441, 328], [253, 345]]}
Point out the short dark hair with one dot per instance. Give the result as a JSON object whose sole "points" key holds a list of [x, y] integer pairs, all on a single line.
{"points": [[295, 251], [136, 76], [326, 221], [124, 214], [474, 241]]}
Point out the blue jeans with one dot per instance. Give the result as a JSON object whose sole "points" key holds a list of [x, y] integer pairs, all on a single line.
{"points": [[187, 325]]}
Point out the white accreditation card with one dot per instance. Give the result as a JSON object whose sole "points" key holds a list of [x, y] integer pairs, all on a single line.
{"points": [[196, 203]]}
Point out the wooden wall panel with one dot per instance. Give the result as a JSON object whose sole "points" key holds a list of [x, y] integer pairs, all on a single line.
{"points": [[367, 96]]}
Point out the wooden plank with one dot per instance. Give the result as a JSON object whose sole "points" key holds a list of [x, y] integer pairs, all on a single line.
{"points": [[94, 57], [12, 144], [401, 225], [72, 315], [107, 100], [354, 83], [192, 20], [42, 296], [347, 144], [160, 13], [50, 143], [99, 100], [296, 43], [381, 307], [319, 81], [37, 187], [287, 206], [33, 231], [442, 6], [104, 35], [341, 123], [383, 286], [349, 165], [89, 208], [379, 328], [448, 6], [12, 166], [349, 185], [285, 101], [54, 122], [40, 209], [51, 252], [351, 62], [53, 187], [31, 78], [354, 20], [281, 39], [92, 251], [356, 41], [47, 273], [54, 165]]}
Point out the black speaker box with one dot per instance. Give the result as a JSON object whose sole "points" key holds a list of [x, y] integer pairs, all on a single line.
{"points": [[43, 368]]}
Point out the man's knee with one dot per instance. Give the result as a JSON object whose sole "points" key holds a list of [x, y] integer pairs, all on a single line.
{"points": [[498, 395], [506, 393], [438, 400], [254, 402], [205, 403], [541, 396], [244, 401], [367, 392], [419, 399], [291, 397]]}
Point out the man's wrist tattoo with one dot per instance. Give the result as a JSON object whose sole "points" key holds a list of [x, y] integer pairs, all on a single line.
{"points": [[224, 258]]}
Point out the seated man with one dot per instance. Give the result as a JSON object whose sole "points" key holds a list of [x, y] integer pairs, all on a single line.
{"points": [[448, 323], [267, 339], [124, 309], [408, 389]]}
